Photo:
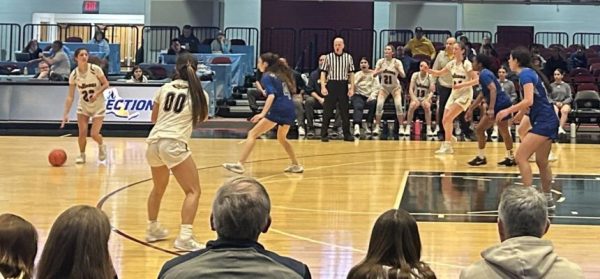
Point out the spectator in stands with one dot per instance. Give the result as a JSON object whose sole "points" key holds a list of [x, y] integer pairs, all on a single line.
{"points": [[59, 62], [18, 247], [33, 49], [556, 61], [488, 48], [44, 71], [507, 85], [253, 94], [578, 59], [420, 44], [394, 250], [240, 213], [471, 52], [408, 63], [77, 246], [535, 52], [298, 99], [188, 40], [560, 96], [175, 47], [103, 47], [367, 88], [316, 100], [137, 76], [522, 253], [489, 51], [536, 62], [220, 44]]}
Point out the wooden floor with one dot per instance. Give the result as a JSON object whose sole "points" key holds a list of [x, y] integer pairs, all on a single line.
{"points": [[323, 217]]}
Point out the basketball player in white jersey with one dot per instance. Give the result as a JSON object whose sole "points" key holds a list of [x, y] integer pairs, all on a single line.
{"points": [[461, 97], [178, 107], [421, 90], [91, 83], [389, 68]]}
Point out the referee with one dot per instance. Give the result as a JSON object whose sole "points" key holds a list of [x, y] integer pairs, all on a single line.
{"points": [[337, 74]]}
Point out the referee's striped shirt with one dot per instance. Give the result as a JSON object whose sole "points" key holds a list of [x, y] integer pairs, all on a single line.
{"points": [[338, 67]]}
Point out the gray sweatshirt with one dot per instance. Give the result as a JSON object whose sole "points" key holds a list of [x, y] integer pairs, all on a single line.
{"points": [[560, 93]]}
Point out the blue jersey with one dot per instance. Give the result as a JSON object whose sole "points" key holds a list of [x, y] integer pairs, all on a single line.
{"points": [[541, 114], [502, 99], [282, 110]]}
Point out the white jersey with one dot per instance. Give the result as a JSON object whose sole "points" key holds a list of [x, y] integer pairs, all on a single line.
{"points": [[460, 74], [391, 69], [88, 83], [422, 84], [175, 118]]}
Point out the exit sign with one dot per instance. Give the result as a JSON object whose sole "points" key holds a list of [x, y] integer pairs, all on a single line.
{"points": [[91, 7]]}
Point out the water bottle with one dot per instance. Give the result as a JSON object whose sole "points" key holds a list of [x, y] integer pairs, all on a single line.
{"points": [[25, 71], [418, 126], [573, 130]]}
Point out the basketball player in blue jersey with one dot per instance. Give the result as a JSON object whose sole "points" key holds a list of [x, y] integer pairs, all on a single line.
{"points": [[544, 121], [279, 85], [91, 82], [497, 100]]}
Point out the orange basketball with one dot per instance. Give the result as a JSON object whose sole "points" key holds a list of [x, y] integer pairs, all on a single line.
{"points": [[57, 157]]}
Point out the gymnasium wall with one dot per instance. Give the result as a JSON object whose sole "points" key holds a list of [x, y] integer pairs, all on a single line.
{"points": [[565, 18], [182, 12], [21, 11], [436, 16], [453, 16]]}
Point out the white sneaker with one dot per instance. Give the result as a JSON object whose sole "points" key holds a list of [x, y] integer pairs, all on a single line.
{"points": [[356, 130], [457, 130], [189, 244], [376, 131], [294, 169], [301, 131], [80, 159], [561, 131], [156, 233], [495, 133], [368, 130], [532, 158], [406, 132], [552, 157], [430, 133], [234, 167], [445, 148], [102, 152]]}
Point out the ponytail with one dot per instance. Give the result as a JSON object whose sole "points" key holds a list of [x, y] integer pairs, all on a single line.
{"points": [[280, 69], [186, 69]]}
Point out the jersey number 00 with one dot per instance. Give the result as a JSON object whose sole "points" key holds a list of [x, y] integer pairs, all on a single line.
{"points": [[174, 103]]}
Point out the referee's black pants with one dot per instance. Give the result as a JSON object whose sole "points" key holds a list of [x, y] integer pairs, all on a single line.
{"points": [[338, 95]]}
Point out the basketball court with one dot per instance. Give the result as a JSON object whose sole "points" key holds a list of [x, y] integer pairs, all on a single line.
{"points": [[322, 217]]}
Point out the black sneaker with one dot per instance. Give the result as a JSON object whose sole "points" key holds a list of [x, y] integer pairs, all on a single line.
{"points": [[348, 138], [508, 162], [310, 133], [325, 138], [477, 161]]}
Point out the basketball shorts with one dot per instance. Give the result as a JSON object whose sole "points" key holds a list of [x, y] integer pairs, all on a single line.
{"points": [[169, 152], [387, 90], [462, 99], [92, 110], [545, 127]]}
